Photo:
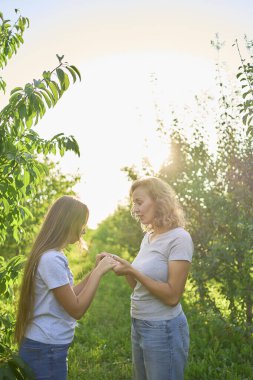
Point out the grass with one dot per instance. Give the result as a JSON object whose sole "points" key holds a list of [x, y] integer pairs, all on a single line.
{"points": [[101, 349]]}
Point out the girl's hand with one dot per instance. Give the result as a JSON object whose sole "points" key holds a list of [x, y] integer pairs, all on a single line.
{"points": [[100, 256], [105, 264]]}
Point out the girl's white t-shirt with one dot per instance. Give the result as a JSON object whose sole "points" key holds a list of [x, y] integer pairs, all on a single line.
{"points": [[153, 261], [51, 323]]}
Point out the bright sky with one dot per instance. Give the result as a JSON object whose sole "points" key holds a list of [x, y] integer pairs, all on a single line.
{"points": [[119, 46]]}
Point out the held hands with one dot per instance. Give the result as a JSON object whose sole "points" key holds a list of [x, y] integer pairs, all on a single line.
{"points": [[105, 263], [121, 268]]}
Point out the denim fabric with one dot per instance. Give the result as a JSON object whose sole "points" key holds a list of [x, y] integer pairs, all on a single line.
{"points": [[48, 361], [160, 348]]}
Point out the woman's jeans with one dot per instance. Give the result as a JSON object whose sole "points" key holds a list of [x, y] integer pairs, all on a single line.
{"points": [[48, 361], [160, 348]]}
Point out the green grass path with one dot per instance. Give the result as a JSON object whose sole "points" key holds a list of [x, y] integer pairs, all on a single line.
{"points": [[101, 348]]}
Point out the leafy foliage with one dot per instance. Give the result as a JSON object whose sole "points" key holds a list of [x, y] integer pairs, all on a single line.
{"points": [[215, 188], [20, 167], [245, 75], [11, 37], [26, 175], [52, 186]]}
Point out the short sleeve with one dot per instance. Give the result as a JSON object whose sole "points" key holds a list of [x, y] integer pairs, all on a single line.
{"points": [[53, 270], [181, 248]]}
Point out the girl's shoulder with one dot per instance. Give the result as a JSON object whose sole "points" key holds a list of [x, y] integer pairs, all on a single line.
{"points": [[52, 255]]}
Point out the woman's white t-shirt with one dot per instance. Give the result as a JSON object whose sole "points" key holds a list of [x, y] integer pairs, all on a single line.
{"points": [[153, 261]]}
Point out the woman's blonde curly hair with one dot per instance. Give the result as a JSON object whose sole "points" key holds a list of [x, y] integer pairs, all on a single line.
{"points": [[168, 210]]}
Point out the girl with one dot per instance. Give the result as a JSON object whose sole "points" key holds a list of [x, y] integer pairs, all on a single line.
{"points": [[160, 334], [49, 304]]}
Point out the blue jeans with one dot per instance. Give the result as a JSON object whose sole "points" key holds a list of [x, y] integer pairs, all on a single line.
{"points": [[160, 348], [48, 361]]}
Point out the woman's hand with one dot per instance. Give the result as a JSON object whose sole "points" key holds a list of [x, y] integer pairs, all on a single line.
{"points": [[123, 268]]}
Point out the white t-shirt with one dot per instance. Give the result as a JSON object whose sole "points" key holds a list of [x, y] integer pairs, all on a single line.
{"points": [[153, 260], [51, 323]]}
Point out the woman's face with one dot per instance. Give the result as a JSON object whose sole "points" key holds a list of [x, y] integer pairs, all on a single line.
{"points": [[143, 206]]}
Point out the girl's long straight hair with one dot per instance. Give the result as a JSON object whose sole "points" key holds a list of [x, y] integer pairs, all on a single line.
{"points": [[62, 225]]}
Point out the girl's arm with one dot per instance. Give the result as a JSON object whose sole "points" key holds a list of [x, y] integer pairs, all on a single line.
{"points": [[170, 292], [79, 287], [77, 304]]}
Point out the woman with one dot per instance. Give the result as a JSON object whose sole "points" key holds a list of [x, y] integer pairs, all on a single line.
{"points": [[160, 334], [49, 304]]}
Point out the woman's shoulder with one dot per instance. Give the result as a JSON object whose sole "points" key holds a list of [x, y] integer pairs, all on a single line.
{"points": [[180, 236], [182, 232]]}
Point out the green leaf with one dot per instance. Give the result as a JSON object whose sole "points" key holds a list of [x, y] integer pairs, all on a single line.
{"points": [[60, 75], [15, 98], [76, 71], [72, 72], [22, 111], [16, 89], [29, 121], [47, 76], [66, 81], [49, 95], [244, 119], [26, 178], [55, 137], [27, 211], [6, 205], [55, 90], [29, 89], [46, 99], [246, 94]]}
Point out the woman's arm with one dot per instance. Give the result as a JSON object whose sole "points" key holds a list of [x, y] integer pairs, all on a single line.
{"points": [[77, 305], [130, 280], [170, 292]]}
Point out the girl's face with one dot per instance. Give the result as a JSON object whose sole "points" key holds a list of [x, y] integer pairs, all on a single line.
{"points": [[143, 206], [78, 232]]}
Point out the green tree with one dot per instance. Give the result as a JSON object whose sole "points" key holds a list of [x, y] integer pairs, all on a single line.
{"points": [[22, 166], [245, 75], [216, 192], [215, 189], [52, 186]]}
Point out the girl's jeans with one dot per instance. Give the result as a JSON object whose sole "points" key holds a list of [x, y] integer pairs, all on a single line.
{"points": [[160, 348], [48, 361]]}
